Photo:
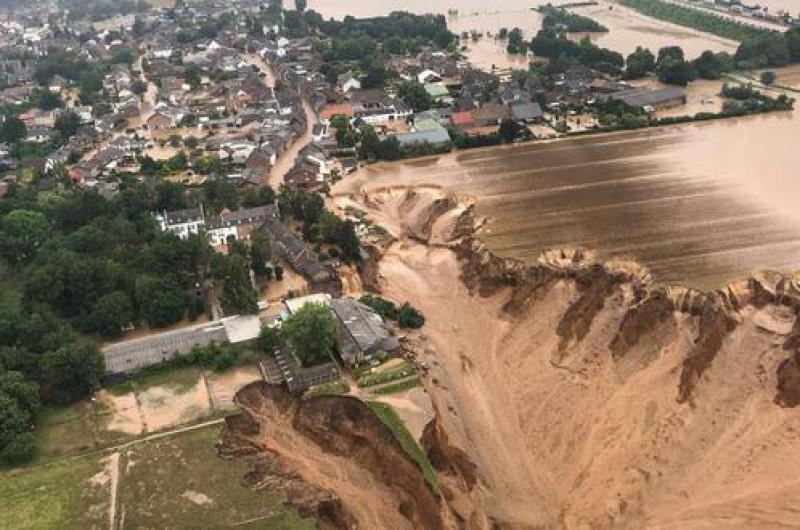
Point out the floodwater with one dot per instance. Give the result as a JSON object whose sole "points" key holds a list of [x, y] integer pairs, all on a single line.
{"points": [[628, 29], [699, 204]]}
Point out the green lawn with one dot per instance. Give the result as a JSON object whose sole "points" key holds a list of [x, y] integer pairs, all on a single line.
{"points": [[400, 371], [57, 496], [182, 379], [66, 430], [180, 482], [401, 386], [390, 418]]}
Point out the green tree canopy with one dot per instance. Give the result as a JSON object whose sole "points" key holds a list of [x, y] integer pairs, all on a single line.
{"points": [[22, 233], [639, 63], [72, 371], [311, 333]]}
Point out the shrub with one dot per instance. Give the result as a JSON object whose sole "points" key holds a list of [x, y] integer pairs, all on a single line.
{"points": [[408, 317]]}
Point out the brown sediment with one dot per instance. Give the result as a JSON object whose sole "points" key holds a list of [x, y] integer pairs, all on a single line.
{"points": [[658, 412], [331, 458]]}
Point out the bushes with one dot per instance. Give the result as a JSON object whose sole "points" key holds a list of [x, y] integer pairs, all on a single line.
{"points": [[572, 22], [406, 315], [213, 356]]}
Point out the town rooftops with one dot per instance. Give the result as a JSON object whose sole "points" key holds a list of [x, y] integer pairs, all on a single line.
{"points": [[431, 136], [364, 325], [649, 98], [295, 304], [189, 215], [332, 110], [526, 111]]}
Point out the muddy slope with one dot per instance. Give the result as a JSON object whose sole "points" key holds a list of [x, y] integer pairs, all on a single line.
{"points": [[331, 458], [586, 395]]}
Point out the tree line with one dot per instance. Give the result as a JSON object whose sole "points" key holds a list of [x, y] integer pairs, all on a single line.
{"points": [[78, 267]]}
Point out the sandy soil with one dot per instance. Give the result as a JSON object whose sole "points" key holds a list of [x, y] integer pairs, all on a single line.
{"points": [[566, 436], [413, 406], [125, 414], [224, 386], [275, 291], [165, 406]]}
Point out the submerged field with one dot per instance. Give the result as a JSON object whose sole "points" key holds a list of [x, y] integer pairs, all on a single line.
{"points": [[697, 204]]}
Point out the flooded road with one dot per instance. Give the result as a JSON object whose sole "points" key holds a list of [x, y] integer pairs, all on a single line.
{"points": [[698, 204]]}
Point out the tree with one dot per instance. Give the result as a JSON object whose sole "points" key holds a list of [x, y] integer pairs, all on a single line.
{"points": [[764, 50], [670, 52], [712, 65], [768, 77], [12, 130], [639, 63], [675, 72], [46, 100], [160, 300], [267, 339], [67, 124], [112, 313], [260, 253], [408, 317], [72, 371], [138, 87], [510, 130], [22, 233], [311, 333], [415, 95], [233, 273]]}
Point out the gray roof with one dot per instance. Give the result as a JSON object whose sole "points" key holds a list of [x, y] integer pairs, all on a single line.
{"points": [[184, 216], [526, 111], [363, 324], [643, 98], [431, 136], [244, 216]]}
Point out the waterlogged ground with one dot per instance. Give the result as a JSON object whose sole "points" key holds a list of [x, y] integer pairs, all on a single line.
{"points": [[698, 204]]}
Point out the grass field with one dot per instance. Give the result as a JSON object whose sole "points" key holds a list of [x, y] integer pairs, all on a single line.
{"points": [[398, 387], [400, 371], [58, 496], [179, 482], [390, 418], [173, 482]]}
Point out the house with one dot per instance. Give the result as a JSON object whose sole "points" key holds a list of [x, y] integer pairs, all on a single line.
{"points": [[437, 91], [361, 331], [332, 110], [438, 137], [238, 224], [527, 112], [130, 356], [462, 120], [298, 253], [183, 223], [490, 114], [57, 84], [263, 157], [649, 100], [346, 82], [159, 121], [38, 134], [428, 76]]}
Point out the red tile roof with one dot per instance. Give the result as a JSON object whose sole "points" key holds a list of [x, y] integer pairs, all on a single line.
{"points": [[332, 110]]}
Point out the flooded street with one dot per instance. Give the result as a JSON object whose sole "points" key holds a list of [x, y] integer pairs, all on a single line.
{"points": [[698, 204]]}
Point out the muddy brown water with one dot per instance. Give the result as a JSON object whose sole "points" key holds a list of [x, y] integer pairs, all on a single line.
{"points": [[627, 29], [698, 204]]}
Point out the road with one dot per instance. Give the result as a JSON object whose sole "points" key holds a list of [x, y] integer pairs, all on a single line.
{"points": [[287, 159]]}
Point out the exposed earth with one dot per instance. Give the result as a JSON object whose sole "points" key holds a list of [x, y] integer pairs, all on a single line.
{"points": [[570, 393]]}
